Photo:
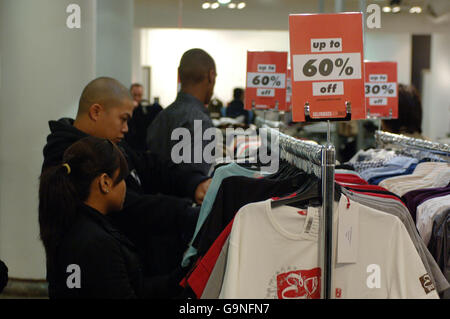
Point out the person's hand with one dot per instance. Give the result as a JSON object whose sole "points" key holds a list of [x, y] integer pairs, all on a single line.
{"points": [[201, 190]]}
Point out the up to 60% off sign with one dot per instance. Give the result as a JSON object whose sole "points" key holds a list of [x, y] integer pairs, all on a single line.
{"points": [[266, 83], [266, 80], [327, 60], [335, 66]]}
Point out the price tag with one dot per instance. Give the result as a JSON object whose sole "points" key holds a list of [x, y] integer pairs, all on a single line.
{"points": [[348, 231], [266, 80], [381, 89], [327, 65]]}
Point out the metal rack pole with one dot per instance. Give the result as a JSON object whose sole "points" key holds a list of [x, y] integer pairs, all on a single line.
{"points": [[326, 222], [325, 157]]}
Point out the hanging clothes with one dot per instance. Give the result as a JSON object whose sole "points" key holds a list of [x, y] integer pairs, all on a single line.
{"points": [[269, 257], [220, 174]]}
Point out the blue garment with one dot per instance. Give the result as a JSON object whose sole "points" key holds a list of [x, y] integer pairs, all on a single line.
{"points": [[395, 166], [221, 173], [378, 180]]}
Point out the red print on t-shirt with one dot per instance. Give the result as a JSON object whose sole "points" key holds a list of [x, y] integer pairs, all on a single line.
{"points": [[299, 284]]}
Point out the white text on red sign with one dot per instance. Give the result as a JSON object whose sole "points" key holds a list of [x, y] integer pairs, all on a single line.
{"points": [[378, 101], [265, 92], [328, 88], [326, 45], [266, 80], [378, 78], [340, 66], [387, 89], [267, 68]]}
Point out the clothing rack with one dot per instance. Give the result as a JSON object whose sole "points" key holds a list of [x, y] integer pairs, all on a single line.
{"points": [[405, 142], [260, 122], [319, 160]]}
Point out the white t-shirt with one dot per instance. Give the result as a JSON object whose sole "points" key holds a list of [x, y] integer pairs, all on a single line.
{"points": [[273, 253]]}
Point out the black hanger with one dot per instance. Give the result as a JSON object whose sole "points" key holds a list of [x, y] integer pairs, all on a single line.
{"points": [[285, 170], [309, 192]]}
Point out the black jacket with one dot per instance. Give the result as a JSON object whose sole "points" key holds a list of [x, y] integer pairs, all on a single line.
{"points": [[158, 225], [109, 266], [142, 117], [149, 174], [3, 275]]}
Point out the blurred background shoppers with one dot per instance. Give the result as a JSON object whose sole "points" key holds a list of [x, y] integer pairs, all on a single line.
{"points": [[409, 120], [143, 116], [236, 107]]}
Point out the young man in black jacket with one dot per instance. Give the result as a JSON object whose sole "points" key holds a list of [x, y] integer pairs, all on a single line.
{"points": [[159, 225]]}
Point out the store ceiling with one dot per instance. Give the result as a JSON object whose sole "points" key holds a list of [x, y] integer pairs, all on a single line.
{"points": [[258, 14]]}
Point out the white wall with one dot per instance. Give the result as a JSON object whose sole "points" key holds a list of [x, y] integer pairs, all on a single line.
{"points": [[163, 48], [391, 47], [436, 101], [114, 37], [44, 66]]}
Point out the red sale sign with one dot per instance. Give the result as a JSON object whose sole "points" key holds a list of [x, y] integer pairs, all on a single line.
{"points": [[266, 80], [327, 66], [381, 89]]}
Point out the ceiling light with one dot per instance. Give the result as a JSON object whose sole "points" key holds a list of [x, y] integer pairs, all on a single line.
{"points": [[396, 9], [386, 9], [223, 1], [206, 5], [232, 5], [241, 5], [215, 5], [415, 10]]}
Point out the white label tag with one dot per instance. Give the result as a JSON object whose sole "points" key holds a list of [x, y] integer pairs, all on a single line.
{"points": [[266, 80], [308, 223], [328, 88], [388, 89], [265, 92], [267, 67], [378, 101], [378, 78], [326, 45], [326, 67], [348, 232]]}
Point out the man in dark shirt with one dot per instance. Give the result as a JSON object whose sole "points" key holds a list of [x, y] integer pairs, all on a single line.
{"points": [[197, 74], [143, 116]]}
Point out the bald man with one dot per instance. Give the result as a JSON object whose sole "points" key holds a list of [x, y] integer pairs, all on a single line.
{"points": [[104, 109], [197, 73], [159, 225]]}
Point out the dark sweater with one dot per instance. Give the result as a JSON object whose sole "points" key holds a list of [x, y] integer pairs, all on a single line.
{"points": [[108, 264]]}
